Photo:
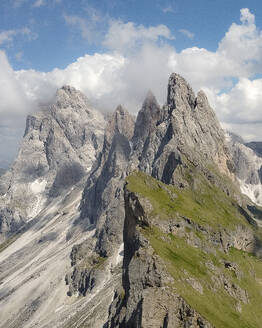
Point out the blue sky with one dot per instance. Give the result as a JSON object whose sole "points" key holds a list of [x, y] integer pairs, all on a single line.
{"points": [[54, 43], [114, 51]]}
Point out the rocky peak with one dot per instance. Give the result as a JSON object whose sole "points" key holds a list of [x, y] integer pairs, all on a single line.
{"points": [[120, 122], [201, 100], [187, 127], [68, 96], [59, 147], [147, 118], [179, 93]]}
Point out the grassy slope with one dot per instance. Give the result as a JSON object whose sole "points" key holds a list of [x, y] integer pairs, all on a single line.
{"points": [[208, 206]]}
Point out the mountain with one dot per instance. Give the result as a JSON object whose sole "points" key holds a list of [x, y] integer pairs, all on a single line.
{"points": [[180, 226], [248, 168], [256, 146], [129, 222], [59, 147]]}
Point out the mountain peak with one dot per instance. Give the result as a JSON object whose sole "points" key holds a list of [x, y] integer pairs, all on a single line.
{"points": [[120, 110], [120, 121], [68, 96], [68, 88], [147, 117], [150, 101], [179, 92]]}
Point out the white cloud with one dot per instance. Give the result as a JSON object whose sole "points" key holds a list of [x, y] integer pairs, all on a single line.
{"points": [[90, 74], [123, 37], [187, 33], [12, 96], [243, 103], [9, 35], [13, 108], [246, 16], [242, 45]]}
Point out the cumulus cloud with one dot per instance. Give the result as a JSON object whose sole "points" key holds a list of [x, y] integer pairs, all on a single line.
{"points": [[12, 96], [242, 46], [243, 103], [123, 37], [136, 61], [13, 108]]}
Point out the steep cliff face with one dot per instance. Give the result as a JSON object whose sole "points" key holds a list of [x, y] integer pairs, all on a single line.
{"points": [[185, 131], [186, 266], [60, 145], [248, 165]]}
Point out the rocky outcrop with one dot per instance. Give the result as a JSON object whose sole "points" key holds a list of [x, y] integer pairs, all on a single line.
{"points": [[164, 258], [146, 298], [60, 145], [248, 166]]}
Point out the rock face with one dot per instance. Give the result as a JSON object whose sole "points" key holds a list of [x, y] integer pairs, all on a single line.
{"points": [[60, 145], [102, 204], [185, 130], [248, 165], [146, 300]]}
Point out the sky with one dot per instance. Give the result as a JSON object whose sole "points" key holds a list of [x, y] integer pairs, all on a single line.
{"points": [[115, 51]]}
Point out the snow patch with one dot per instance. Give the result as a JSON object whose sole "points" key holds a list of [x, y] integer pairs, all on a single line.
{"points": [[120, 254], [38, 186]]}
